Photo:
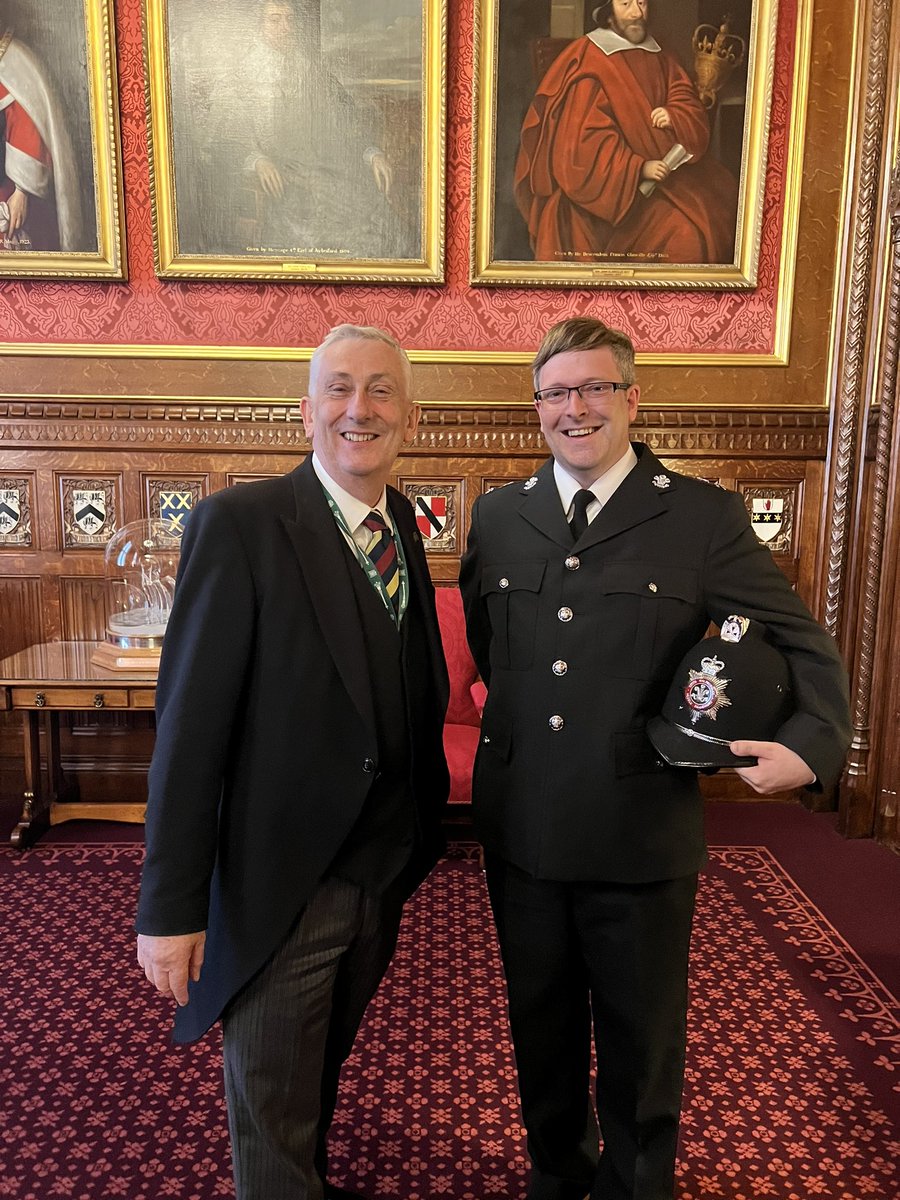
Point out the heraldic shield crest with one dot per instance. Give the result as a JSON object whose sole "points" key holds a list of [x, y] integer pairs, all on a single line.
{"points": [[431, 515], [89, 509], [10, 510], [767, 516], [736, 686]]}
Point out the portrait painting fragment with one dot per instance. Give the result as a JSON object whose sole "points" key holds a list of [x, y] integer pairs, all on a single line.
{"points": [[300, 132], [627, 141], [59, 159]]}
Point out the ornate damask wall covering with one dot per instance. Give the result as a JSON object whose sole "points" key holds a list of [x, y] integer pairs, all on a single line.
{"points": [[449, 317]]}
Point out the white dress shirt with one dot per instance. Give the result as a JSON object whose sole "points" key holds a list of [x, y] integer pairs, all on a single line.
{"points": [[602, 488], [353, 511]]}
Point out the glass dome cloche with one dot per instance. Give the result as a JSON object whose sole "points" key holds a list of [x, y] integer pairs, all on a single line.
{"points": [[140, 565]]}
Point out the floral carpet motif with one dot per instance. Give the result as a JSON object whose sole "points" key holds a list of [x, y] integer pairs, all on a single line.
{"points": [[793, 1069]]}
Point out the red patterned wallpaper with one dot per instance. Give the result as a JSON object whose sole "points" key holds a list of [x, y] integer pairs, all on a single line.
{"points": [[453, 316]]}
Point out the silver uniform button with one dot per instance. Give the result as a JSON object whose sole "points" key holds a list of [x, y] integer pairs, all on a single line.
{"points": [[485, 741], [560, 667], [565, 614], [573, 562], [504, 582], [652, 587], [556, 723]]}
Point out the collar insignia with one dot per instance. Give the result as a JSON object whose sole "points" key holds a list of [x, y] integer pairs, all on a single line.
{"points": [[661, 482], [705, 691], [529, 483]]}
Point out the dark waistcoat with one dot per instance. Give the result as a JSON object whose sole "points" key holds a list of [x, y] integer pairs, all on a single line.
{"points": [[380, 844]]}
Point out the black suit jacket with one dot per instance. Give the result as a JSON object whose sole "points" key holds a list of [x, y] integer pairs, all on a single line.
{"points": [[667, 555], [266, 746]]}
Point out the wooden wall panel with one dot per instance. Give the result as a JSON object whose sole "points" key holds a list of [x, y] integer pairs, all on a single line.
{"points": [[21, 622], [56, 591], [82, 604]]}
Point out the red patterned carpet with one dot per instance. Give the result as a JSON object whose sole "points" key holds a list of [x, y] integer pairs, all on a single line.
{"points": [[793, 1080]]}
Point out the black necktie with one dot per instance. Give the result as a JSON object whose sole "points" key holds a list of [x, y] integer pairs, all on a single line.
{"points": [[579, 522]]}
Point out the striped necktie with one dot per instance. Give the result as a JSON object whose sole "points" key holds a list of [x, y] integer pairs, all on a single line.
{"points": [[383, 553]]}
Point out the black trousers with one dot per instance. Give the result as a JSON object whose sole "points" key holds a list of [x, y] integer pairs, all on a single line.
{"points": [[286, 1035], [609, 959]]}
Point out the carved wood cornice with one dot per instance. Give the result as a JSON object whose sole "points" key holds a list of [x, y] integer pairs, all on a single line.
{"points": [[450, 429]]}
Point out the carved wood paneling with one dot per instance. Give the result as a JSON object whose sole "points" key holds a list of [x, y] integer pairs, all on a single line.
{"points": [[460, 449], [82, 603], [20, 606], [864, 189]]}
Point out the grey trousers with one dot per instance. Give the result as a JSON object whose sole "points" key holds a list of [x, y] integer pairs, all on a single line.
{"points": [[287, 1033]]}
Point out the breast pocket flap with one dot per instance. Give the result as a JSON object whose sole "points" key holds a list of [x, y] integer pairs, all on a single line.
{"points": [[647, 579], [503, 578]]}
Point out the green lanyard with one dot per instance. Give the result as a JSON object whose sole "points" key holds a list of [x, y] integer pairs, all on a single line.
{"points": [[369, 567]]}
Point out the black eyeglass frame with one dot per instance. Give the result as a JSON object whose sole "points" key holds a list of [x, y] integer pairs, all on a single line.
{"points": [[616, 387]]}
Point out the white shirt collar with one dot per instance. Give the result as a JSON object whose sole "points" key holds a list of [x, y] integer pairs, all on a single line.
{"points": [[602, 488], [611, 42], [354, 511]]}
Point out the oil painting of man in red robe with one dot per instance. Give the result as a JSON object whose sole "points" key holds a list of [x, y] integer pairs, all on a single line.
{"points": [[592, 179], [40, 203]]}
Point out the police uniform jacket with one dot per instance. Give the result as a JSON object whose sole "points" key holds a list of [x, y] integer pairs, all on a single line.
{"points": [[578, 645], [266, 743]]}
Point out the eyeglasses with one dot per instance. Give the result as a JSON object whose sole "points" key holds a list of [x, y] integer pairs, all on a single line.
{"points": [[597, 389]]}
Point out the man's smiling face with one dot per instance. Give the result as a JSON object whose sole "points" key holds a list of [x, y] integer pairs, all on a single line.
{"points": [[586, 439], [358, 413]]}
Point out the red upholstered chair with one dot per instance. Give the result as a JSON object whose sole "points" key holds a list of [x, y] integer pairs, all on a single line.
{"points": [[467, 694]]}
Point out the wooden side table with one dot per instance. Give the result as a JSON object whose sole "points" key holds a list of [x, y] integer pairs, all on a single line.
{"points": [[41, 682]]}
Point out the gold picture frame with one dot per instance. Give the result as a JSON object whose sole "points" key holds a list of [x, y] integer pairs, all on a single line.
{"points": [[543, 220], [312, 150], [62, 213]]}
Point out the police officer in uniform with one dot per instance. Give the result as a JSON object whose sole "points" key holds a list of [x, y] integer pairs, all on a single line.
{"points": [[584, 587]]}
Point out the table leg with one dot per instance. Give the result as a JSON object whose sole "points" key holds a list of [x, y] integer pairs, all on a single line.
{"points": [[35, 819], [59, 789]]}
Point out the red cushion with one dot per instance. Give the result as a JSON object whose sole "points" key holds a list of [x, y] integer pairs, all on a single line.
{"points": [[460, 744], [461, 710]]}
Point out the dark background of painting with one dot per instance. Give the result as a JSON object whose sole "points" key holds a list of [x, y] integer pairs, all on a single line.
{"points": [[521, 22], [55, 31], [374, 50]]}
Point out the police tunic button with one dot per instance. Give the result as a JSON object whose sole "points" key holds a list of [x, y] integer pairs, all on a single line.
{"points": [[485, 741], [652, 587], [573, 562], [560, 667], [565, 614], [556, 723], [504, 582], [368, 765]]}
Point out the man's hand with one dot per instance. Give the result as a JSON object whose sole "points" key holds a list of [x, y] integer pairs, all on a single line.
{"points": [[269, 177], [660, 119], [656, 170], [18, 211], [778, 769], [169, 962], [384, 176]]}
